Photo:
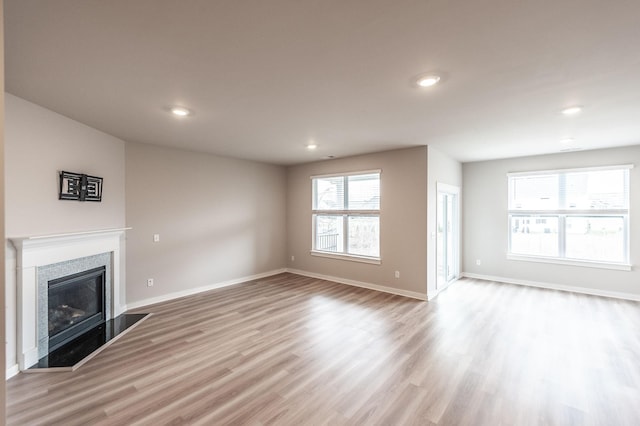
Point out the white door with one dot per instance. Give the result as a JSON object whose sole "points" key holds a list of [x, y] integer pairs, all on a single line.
{"points": [[448, 234]]}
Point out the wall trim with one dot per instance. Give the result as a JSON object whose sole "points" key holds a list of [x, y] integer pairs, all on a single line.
{"points": [[12, 371], [361, 284], [191, 291], [553, 286]]}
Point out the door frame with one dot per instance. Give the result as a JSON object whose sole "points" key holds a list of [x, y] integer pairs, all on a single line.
{"points": [[454, 191]]}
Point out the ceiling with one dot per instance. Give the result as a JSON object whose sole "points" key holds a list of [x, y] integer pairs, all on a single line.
{"points": [[265, 78]]}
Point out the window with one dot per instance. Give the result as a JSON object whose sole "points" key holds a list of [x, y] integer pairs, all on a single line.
{"points": [[346, 215], [571, 216]]}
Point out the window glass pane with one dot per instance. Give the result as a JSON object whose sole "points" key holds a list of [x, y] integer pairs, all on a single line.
{"points": [[534, 193], [596, 190], [328, 193], [329, 233], [595, 238], [567, 197], [364, 235], [336, 232], [534, 235], [364, 192]]}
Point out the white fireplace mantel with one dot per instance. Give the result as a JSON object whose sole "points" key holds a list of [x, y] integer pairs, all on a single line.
{"points": [[36, 251]]}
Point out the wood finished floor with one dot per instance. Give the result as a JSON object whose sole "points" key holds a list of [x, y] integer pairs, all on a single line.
{"points": [[292, 350]]}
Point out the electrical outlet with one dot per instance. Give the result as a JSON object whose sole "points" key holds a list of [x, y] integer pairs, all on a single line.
{"points": [[397, 274], [478, 262], [156, 238], [150, 282], [293, 258]]}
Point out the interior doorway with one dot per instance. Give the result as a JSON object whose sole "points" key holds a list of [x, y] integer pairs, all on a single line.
{"points": [[448, 235]]}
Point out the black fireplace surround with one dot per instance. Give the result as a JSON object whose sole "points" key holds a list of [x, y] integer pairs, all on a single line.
{"points": [[76, 304]]}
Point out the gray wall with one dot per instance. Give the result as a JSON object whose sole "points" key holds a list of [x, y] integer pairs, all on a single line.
{"points": [[38, 144], [485, 222], [403, 219], [219, 219], [442, 169]]}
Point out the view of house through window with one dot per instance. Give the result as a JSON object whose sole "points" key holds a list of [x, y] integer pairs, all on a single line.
{"points": [[346, 214], [578, 214]]}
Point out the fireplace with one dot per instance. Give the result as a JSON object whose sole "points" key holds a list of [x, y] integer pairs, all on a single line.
{"points": [[44, 259], [76, 304]]}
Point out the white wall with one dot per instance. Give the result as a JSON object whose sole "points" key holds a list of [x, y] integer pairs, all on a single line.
{"points": [[485, 223], [220, 220], [442, 169], [38, 144], [403, 220]]}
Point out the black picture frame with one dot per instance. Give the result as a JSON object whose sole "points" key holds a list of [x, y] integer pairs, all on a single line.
{"points": [[79, 187]]}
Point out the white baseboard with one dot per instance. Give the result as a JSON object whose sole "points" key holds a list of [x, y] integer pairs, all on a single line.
{"points": [[191, 291], [553, 286], [12, 371], [29, 358], [384, 289]]}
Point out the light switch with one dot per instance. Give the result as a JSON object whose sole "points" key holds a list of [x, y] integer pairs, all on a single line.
{"points": [[156, 238]]}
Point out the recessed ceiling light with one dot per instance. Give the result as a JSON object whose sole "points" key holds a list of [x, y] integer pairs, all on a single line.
{"points": [[180, 111], [567, 141], [427, 80], [312, 146], [572, 110]]}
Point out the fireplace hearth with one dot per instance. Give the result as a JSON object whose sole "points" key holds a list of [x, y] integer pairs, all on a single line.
{"points": [[77, 352]]}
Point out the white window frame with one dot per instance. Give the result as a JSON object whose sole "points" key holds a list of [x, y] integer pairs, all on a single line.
{"points": [[345, 222], [563, 214]]}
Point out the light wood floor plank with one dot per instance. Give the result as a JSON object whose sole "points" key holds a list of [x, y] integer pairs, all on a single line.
{"points": [[292, 350]]}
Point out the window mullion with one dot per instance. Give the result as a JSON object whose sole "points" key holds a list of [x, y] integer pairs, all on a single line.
{"points": [[345, 236], [562, 191], [562, 235], [345, 217], [562, 222], [626, 248]]}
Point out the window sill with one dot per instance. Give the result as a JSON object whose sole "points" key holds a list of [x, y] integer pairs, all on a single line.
{"points": [[584, 263], [349, 257]]}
